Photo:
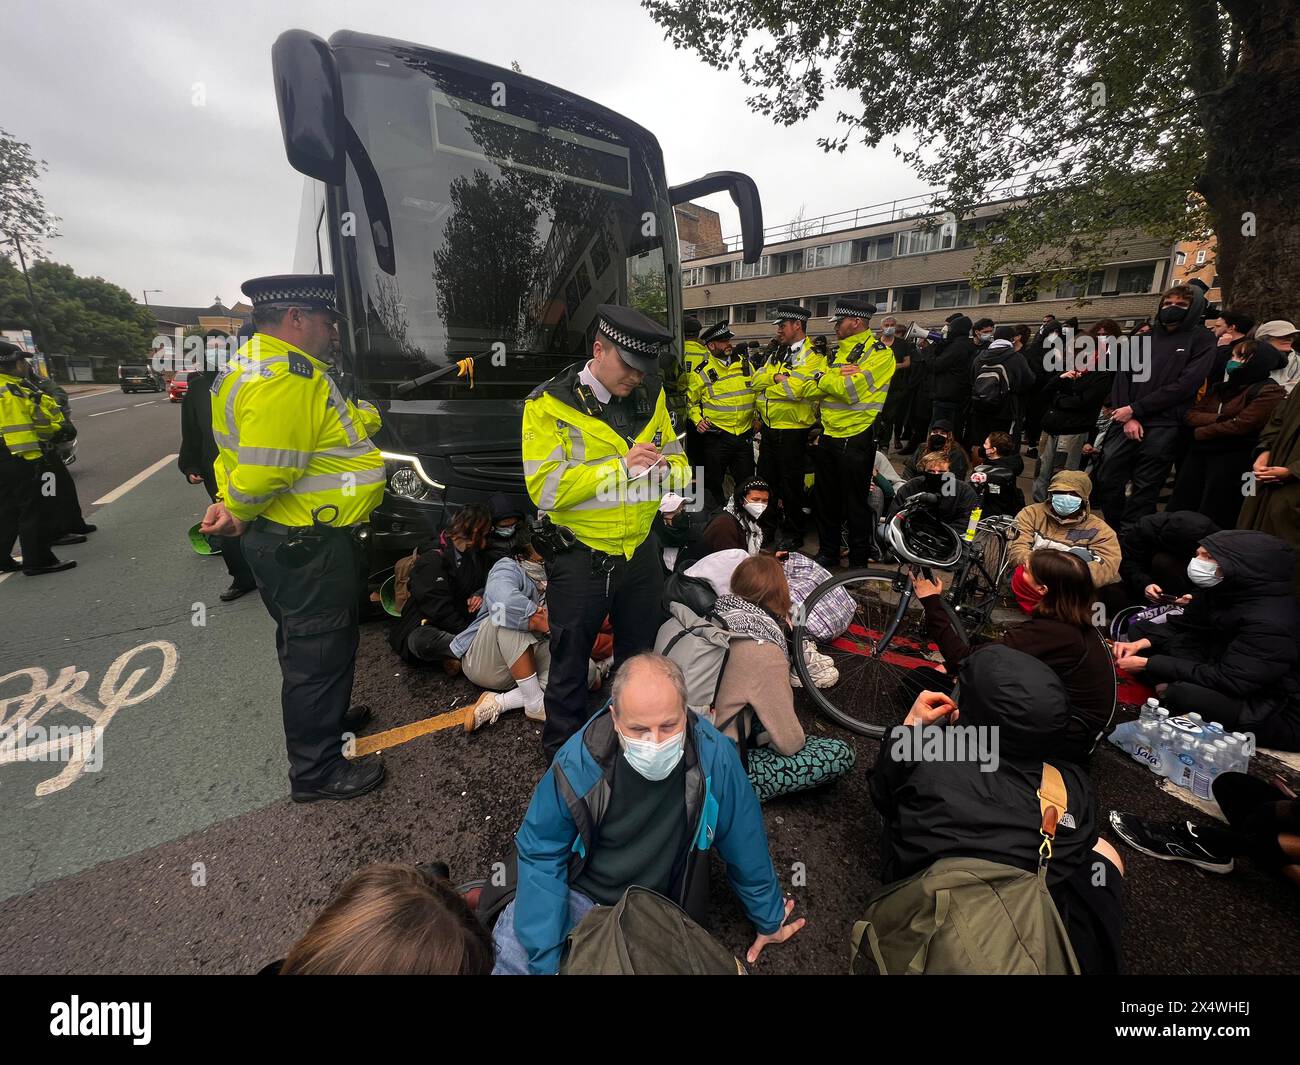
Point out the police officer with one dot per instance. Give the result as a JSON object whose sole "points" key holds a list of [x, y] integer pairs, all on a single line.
{"points": [[787, 392], [27, 418], [721, 407], [693, 355], [852, 392], [297, 475], [599, 454]]}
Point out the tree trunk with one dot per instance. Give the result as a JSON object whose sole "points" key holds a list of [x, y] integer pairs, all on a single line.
{"points": [[1251, 181]]}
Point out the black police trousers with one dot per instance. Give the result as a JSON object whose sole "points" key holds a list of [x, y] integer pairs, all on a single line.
{"points": [[782, 458], [20, 512], [579, 594], [725, 453], [844, 467], [316, 610]]}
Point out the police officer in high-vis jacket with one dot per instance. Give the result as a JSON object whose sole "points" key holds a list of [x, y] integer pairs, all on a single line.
{"points": [[851, 393], [27, 417], [297, 476], [599, 454], [721, 407], [787, 391]]}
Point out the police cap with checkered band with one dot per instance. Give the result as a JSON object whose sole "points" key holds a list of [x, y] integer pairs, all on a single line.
{"points": [[639, 339], [312, 291]]}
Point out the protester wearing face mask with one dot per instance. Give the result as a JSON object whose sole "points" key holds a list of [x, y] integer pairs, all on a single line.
{"points": [[1072, 401], [1233, 656], [895, 421], [1226, 424], [746, 522], [677, 528], [1065, 522], [1000, 384], [639, 796], [950, 371], [507, 522], [983, 332], [1148, 401], [956, 498], [939, 438]]}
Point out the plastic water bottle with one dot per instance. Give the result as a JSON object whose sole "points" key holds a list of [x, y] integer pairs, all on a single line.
{"points": [[1168, 750], [1205, 770], [1149, 709], [1196, 719], [1247, 741], [1214, 731], [1148, 750], [1184, 760]]}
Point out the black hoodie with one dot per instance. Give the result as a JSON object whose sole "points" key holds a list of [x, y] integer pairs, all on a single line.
{"points": [[1173, 532], [1178, 365], [950, 368], [951, 809], [1241, 637]]}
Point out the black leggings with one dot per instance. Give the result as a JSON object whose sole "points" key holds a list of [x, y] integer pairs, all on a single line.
{"points": [[1280, 730], [1257, 812]]}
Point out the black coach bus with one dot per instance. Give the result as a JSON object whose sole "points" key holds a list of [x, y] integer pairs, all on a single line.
{"points": [[468, 211]]}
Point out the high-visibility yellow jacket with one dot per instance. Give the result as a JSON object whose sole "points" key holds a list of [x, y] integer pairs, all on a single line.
{"points": [[289, 442], [789, 404], [574, 470], [26, 417], [720, 392], [695, 355], [676, 385], [849, 404]]}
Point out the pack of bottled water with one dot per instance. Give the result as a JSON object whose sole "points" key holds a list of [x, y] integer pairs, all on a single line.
{"points": [[1188, 751]]}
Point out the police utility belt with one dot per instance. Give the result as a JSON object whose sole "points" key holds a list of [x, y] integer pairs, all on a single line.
{"points": [[302, 543], [552, 540]]}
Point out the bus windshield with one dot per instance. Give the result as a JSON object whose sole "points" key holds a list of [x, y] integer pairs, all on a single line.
{"points": [[490, 217]]}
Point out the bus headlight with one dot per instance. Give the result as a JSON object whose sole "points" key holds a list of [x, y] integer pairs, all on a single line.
{"points": [[408, 480]]}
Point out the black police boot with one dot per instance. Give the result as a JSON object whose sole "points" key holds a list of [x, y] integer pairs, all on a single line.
{"points": [[86, 527], [348, 782], [8, 565], [357, 718], [50, 567], [68, 538], [235, 591]]}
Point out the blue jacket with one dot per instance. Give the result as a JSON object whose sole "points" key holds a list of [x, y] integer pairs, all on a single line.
{"points": [[569, 802], [510, 598]]}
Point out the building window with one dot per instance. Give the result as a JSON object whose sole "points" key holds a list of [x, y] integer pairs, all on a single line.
{"points": [[740, 271], [969, 232], [990, 293], [909, 299], [1024, 290], [748, 313], [956, 294], [828, 255], [1068, 290], [873, 249], [693, 276], [1200, 257], [821, 307], [1135, 278], [789, 263], [1180, 258], [1214, 283], [710, 315], [920, 241]]}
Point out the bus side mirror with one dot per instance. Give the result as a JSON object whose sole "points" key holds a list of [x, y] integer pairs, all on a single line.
{"points": [[744, 194], [310, 100]]}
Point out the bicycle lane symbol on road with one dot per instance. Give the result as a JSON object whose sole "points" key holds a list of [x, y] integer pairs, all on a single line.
{"points": [[77, 746]]}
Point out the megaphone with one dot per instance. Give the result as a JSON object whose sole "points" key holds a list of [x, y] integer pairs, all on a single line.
{"points": [[199, 543], [916, 332]]}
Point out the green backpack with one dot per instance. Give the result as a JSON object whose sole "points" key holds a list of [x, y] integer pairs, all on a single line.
{"points": [[644, 934], [972, 916]]}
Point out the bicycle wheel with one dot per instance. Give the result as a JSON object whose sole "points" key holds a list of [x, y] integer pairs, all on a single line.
{"points": [[877, 683]]}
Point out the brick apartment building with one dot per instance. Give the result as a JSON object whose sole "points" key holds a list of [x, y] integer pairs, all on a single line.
{"points": [[879, 253], [1195, 259]]}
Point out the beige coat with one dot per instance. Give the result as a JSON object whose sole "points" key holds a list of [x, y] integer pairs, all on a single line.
{"points": [[1040, 527]]}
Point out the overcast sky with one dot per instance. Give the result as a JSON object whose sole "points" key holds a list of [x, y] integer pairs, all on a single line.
{"points": [[157, 193]]}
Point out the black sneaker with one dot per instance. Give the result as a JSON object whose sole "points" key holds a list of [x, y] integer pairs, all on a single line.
{"points": [[348, 782], [50, 567], [67, 539], [1175, 841], [357, 718], [235, 591]]}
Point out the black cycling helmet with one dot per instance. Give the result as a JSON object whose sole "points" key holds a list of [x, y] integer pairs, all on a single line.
{"points": [[918, 536]]}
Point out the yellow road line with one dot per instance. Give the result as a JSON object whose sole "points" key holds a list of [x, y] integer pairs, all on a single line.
{"points": [[393, 737]]}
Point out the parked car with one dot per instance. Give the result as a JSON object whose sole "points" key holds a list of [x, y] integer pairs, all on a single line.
{"points": [[176, 390], [139, 379]]}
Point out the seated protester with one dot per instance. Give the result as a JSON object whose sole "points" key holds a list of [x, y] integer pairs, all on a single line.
{"points": [[884, 482], [1226, 424], [755, 703], [697, 585], [507, 517], [678, 531], [935, 809], [506, 648], [939, 438], [1263, 825], [446, 590], [1001, 467], [1232, 656], [637, 797], [744, 522], [392, 920], [1067, 523], [956, 497], [1059, 633], [1156, 549]]}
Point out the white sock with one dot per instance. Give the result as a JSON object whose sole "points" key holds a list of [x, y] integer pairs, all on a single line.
{"points": [[511, 700], [531, 691]]}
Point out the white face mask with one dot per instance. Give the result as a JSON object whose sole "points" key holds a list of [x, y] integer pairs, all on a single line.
{"points": [[755, 510], [654, 761], [1203, 573]]}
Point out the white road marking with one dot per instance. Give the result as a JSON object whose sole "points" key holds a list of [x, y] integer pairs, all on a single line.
{"points": [[113, 411], [88, 395], [143, 475], [146, 403]]}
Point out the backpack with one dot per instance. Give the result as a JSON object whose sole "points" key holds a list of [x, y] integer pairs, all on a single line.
{"points": [[700, 646], [991, 387], [402, 579], [973, 916], [644, 934]]}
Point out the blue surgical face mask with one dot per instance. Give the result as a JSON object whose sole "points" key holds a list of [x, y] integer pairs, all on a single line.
{"points": [[1065, 505], [503, 531], [654, 761]]}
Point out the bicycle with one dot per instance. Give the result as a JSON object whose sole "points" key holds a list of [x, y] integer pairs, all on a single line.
{"points": [[886, 639]]}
